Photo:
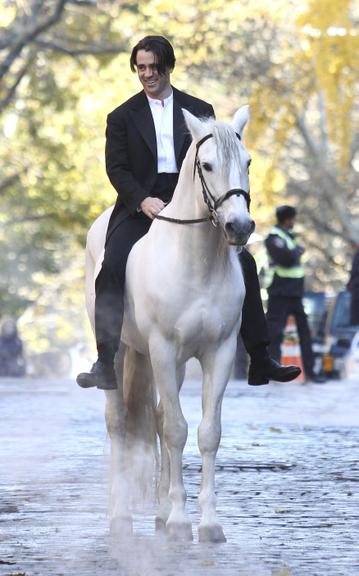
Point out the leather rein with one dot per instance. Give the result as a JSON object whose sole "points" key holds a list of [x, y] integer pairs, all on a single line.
{"points": [[211, 203]]}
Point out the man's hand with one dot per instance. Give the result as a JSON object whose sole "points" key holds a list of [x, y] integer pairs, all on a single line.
{"points": [[152, 206]]}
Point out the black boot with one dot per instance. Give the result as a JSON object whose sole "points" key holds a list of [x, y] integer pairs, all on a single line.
{"points": [[260, 372], [102, 373]]}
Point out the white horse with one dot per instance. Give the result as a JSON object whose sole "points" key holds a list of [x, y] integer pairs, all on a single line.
{"points": [[184, 297]]}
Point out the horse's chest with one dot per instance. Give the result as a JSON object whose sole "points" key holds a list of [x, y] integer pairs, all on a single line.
{"points": [[212, 313]]}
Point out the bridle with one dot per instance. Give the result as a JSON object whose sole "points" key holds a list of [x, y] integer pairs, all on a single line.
{"points": [[211, 203]]}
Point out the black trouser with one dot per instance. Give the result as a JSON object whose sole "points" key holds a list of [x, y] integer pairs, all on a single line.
{"points": [[254, 330], [110, 282], [279, 308]]}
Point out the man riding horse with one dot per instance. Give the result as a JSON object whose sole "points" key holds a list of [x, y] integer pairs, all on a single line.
{"points": [[146, 142]]}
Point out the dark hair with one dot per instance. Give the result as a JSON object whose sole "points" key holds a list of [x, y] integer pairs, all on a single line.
{"points": [[162, 50], [285, 212]]}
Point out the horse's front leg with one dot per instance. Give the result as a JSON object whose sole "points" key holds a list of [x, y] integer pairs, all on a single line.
{"points": [[164, 483], [116, 416], [164, 507], [217, 366], [175, 432]]}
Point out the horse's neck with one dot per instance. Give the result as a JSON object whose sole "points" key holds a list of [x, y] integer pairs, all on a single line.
{"points": [[187, 201], [201, 242]]}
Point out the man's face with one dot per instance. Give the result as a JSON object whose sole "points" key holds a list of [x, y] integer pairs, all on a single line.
{"points": [[289, 223], [155, 85]]}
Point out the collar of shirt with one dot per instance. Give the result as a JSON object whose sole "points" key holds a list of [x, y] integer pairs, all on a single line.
{"points": [[162, 103]]}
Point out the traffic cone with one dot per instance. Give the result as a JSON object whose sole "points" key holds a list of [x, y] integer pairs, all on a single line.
{"points": [[290, 348]]}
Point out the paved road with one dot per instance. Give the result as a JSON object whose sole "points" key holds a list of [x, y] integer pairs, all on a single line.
{"points": [[287, 483]]}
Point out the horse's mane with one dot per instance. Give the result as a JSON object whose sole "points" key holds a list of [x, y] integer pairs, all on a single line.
{"points": [[227, 143]]}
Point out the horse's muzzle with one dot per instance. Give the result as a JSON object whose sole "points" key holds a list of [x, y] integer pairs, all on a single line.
{"points": [[238, 232]]}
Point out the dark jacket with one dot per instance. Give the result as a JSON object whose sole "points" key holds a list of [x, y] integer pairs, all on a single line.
{"points": [[12, 361], [281, 255], [131, 151]]}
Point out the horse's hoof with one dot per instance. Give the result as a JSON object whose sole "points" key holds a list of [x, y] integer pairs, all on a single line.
{"points": [[121, 526], [179, 531], [160, 525], [212, 533]]}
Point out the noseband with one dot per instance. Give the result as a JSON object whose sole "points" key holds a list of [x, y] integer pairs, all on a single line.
{"points": [[210, 201]]}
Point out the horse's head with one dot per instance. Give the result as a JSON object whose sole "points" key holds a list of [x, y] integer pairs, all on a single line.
{"points": [[221, 165]]}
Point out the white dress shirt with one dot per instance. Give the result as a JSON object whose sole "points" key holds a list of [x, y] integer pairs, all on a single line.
{"points": [[162, 113]]}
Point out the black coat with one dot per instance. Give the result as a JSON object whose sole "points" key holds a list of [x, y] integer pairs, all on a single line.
{"points": [[131, 151]]}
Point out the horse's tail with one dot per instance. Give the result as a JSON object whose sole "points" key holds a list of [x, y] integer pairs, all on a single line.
{"points": [[90, 266], [141, 427]]}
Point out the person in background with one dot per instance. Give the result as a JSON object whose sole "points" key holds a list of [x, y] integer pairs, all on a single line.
{"points": [[12, 362], [353, 287], [285, 285]]}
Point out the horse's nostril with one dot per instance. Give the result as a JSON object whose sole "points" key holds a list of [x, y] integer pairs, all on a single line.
{"points": [[230, 227]]}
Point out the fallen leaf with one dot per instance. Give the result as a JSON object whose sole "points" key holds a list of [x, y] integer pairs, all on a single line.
{"points": [[282, 571]]}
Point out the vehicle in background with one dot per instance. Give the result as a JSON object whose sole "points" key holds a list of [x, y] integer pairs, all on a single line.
{"points": [[317, 306], [331, 331], [339, 334]]}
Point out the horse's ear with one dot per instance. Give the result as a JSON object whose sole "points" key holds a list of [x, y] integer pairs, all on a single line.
{"points": [[194, 125], [240, 119]]}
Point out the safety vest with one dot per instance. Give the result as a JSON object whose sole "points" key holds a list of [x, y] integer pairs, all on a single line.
{"points": [[295, 272]]}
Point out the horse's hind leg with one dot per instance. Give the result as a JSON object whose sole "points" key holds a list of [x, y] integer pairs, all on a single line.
{"points": [[216, 367], [116, 415], [164, 484]]}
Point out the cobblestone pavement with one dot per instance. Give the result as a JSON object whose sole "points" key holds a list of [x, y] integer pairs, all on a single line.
{"points": [[287, 483]]}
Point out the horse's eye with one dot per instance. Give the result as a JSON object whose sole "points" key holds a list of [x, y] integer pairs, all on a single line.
{"points": [[207, 166]]}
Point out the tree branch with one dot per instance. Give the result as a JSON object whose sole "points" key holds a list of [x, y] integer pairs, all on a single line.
{"points": [[5, 101], [86, 50], [25, 219], [28, 36], [9, 181]]}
